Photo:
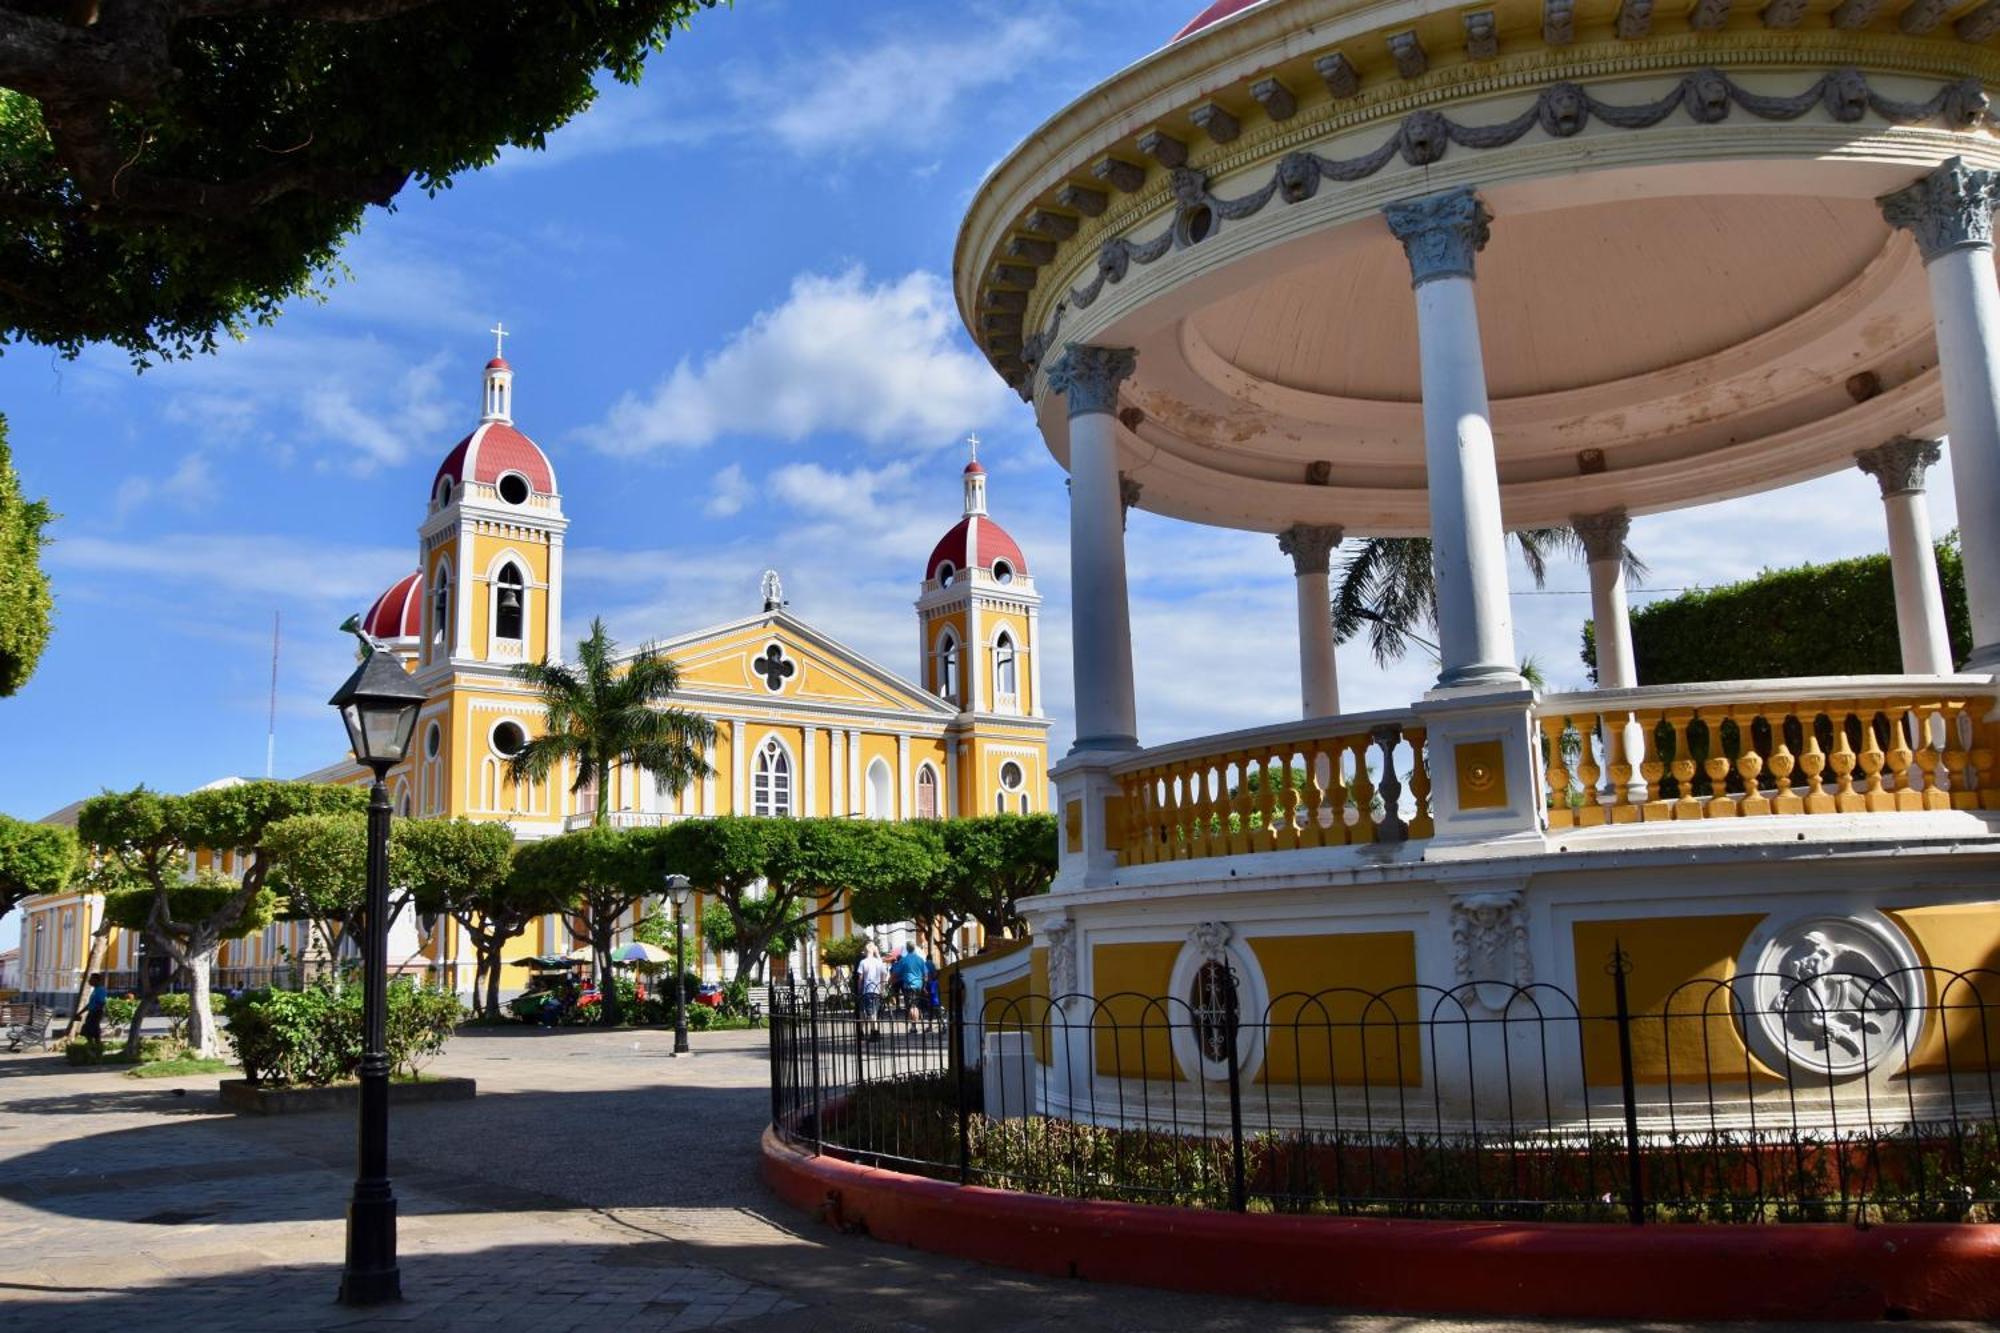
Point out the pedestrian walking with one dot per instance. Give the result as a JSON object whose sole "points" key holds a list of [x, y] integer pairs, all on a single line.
{"points": [[874, 977], [93, 1009]]}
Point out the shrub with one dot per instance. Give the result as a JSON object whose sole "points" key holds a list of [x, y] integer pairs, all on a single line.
{"points": [[175, 1006], [844, 950], [699, 1017], [82, 1052], [313, 1037], [119, 1011]]}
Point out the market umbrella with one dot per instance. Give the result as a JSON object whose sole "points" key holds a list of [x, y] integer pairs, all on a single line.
{"points": [[582, 953], [637, 952], [547, 962]]}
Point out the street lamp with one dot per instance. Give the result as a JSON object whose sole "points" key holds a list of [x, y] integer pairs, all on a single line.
{"points": [[379, 706], [678, 887]]}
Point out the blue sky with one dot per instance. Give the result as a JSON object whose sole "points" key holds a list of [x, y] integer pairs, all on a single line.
{"points": [[733, 334]]}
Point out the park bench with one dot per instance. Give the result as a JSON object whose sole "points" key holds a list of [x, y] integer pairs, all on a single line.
{"points": [[32, 1030], [760, 1004]]}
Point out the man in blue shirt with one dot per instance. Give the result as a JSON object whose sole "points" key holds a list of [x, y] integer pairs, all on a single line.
{"points": [[909, 976], [93, 1009]]}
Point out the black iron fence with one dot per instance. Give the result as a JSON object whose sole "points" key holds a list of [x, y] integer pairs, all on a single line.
{"points": [[1841, 1098]]}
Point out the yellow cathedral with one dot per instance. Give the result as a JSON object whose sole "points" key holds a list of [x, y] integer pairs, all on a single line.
{"points": [[804, 724]]}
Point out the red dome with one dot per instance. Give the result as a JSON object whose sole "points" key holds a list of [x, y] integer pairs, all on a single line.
{"points": [[973, 469], [975, 544], [399, 612], [498, 363], [492, 451], [1215, 13]]}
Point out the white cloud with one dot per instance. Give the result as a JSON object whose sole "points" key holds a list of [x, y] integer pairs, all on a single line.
{"points": [[878, 360], [189, 485], [729, 490], [813, 489], [265, 565], [902, 92]]}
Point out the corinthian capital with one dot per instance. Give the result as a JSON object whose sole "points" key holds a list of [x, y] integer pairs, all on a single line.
{"points": [[1440, 233], [1089, 376], [1309, 546], [1898, 466], [1950, 209], [1603, 535]]}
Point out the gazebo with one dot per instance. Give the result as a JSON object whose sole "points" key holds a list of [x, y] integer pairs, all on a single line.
{"points": [[1321, 268]]}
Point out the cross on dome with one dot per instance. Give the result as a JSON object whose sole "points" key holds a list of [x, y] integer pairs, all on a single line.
{"points": [[499, 332], [972, 443]]}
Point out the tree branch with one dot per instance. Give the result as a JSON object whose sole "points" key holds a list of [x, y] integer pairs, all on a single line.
{"points": [[315, 11]]}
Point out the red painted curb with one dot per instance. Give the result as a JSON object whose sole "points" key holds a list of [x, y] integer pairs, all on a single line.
{"points": [[1582, 1270]]}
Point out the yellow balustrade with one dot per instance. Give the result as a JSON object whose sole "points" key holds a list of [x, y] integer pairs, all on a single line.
{"points": [[1296, 792], [1875, 753]]}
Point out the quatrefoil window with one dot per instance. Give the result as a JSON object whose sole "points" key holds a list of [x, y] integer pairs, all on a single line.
{"points": [[775, 668]]}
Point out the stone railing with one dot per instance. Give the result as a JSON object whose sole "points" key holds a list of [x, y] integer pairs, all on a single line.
{"points": [[626, 819], [1810, 746], [1324, 782]]}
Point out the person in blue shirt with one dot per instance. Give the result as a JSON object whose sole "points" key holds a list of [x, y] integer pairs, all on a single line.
{"points": [[93, 1009], [909, 975]]}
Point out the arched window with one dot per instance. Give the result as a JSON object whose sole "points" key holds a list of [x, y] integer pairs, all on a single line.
{"points": [[1006, 672], [1013, 784], [927, 793], [947, 666], [441, 609], [881, 791], [771, 780], [508, 605]]}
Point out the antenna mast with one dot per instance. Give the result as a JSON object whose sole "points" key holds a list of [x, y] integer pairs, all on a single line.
{"points": [[271, 729]]}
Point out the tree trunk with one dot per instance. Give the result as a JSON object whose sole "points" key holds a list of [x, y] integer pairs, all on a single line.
{"points": [[201, 1013], [492, 967], [607, 984], [93, 961], [145, 1007]]}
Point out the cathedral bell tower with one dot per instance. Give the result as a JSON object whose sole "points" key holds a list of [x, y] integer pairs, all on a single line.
{"points": [[979, 627], [492, 544]]}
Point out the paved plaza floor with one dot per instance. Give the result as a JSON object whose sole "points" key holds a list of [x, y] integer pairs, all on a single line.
{"points": [[595, 1183]]}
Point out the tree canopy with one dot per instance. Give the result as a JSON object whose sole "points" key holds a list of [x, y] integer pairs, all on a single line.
{"points": [[983, 866], [1813, 620], [599, 712], [34, 859], [174, 168], [25, 603], [597, 874]]}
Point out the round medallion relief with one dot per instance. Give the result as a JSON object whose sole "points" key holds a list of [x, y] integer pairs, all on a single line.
{"points": [[1833, 996]]}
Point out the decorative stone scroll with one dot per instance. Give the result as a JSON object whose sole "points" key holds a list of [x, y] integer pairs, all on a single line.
{"points": [[1705, 96], [1310, 546], [1088, 377], [1060, 936], [1440, 233], [1949, 209], [1831, 996], [1489, 946], [1898, 465], [1211, 940], [1603, 535]]}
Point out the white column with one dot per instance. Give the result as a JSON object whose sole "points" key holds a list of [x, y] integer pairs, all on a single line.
{"points": [[809, 760], [1033, 647], [1311, 550], [1603, 537], [857, 798], [555, 629], [739, 803], [1950, 212], [1898, 467], [1440, 234], [904, 800], [707, 806], [974, 662], [1100, 613], [948, 801], [836, 771]]}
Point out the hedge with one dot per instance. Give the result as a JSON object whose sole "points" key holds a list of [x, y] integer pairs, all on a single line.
{"points": [[1835, 619]]}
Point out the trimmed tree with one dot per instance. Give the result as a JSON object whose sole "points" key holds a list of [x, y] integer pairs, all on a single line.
{"points": [[597, 875], [25, 603], [1813, 620], [598, 712], [462, 869], [319, 870], [171, 169], [150, 836], [985, 866], [34, 859]]}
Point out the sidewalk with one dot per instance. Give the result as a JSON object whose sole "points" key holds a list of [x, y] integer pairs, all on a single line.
{"points": [[595, 1182]]}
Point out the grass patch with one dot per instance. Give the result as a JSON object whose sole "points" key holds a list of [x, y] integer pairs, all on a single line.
{"points": [[180, 1066]]}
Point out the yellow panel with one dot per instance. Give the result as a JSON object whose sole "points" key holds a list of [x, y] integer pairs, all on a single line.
{"points": [[1482, 775], [1133, 1024], [1959, 939], [1325, 1024], [1681, 1006]]}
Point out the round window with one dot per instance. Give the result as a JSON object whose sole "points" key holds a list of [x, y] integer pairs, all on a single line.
{"points": [[509, 739], [432, 739], [1011, 776], [946, 572], [514, 488], [1199, 224], [1002, 572]]}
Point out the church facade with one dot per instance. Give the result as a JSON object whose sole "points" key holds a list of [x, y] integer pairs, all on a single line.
{"points": [[804, 724]]}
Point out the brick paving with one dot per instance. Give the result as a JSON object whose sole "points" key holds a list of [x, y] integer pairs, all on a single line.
{"points": [[594, 1183]]}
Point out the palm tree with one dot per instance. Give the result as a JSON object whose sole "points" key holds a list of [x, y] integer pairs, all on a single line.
{"points": [[599, 714], [1389, 584]]}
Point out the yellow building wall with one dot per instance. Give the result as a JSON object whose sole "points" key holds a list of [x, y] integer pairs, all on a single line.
{"points": [[991, 622], [1326, 1024], [1133, 1025], [1964, 1031], [1680, 967], [533, 553]]}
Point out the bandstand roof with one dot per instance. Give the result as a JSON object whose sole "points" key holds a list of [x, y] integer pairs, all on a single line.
{"points": [[1689, 291]]}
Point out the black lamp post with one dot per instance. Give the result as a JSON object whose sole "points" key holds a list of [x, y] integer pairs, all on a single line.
{"points": [[678, 887], [379, 705]]}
